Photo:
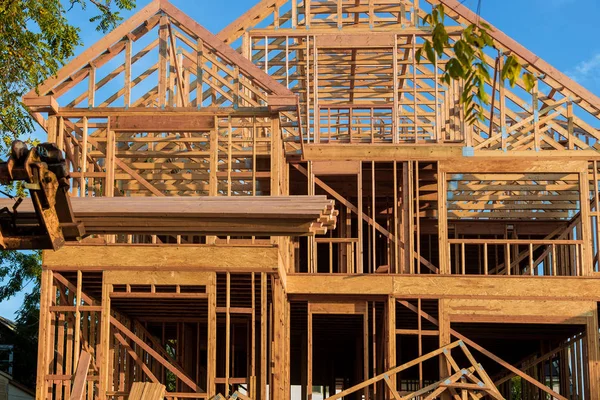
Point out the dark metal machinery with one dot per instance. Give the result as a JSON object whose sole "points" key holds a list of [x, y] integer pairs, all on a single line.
{"points": [[43, 171]]}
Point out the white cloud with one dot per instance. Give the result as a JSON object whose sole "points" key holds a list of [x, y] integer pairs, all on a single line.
{"points": [[588, 70]]}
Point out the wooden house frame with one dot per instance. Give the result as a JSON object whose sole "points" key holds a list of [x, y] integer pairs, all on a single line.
{"points": [[465, 261]]}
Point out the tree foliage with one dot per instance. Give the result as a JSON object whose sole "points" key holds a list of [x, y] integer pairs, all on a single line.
{"points": [[36, 40], [467, 63]]}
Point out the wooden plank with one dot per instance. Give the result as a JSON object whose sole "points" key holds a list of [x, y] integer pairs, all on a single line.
{"points": [[157, 278], [385, 152], [433, 287], [326, 168], [156, 257], [150, 123], [356, 41], [470, 165], [518, 310], [319, 307]]}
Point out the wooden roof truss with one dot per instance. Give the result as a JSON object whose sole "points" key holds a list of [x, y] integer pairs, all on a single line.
{"points": [[341, 58]]}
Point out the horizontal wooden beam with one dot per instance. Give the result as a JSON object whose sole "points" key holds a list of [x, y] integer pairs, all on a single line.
{"points": [[41, 104], [157, 278], [408, 152], [471, 165], [520, 311], [103, 112], [163, 258], [161, 123], [445, 286]]}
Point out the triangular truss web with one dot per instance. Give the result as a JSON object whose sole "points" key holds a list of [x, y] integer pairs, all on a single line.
{"points": [[157, 62], [160, 58], [335, 53]]}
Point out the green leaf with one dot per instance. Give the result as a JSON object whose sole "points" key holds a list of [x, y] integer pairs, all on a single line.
{"points": [[454, 68], [419, 55], [483, 71], [529, 80], [429, 52]]}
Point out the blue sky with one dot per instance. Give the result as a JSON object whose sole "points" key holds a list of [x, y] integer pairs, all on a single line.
{"points": [[562, 32]]}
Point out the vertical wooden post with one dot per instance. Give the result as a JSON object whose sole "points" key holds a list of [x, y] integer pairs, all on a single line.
{"points": [[211, 364], [60, 134], [252, 374], [43, 334], [84, 161], [52, 127], [593, 355], [409, 212], [397, 257], [227, 334], [373, 216], [309, 347], [391, 337], [127, 95], [443, 221], [586, 232], [502, 93], [104, 361], [276, 157], [109, 184], [163, 33], [374, 341], [263, 336], [445, 339], [316, 109], [77, 350], [536, 116], [199, 73], [366, 347], [294, 14], [359, 252], [92, 86], [414, 68], [570, 126]]}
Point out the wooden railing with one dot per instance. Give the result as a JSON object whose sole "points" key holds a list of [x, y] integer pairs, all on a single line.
{"points": [[356, 123], [516, 257]]}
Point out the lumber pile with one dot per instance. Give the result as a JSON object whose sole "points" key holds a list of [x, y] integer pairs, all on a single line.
{"points": [[256, 216], [147, 391]]}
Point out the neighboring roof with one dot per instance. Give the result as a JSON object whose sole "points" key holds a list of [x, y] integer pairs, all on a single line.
{"points": [[8, 323], [16, 384]]}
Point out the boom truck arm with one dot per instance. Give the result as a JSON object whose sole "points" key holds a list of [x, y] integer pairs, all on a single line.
{"points": [[43, 171]]}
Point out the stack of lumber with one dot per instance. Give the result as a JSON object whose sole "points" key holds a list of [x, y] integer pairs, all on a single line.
{"points": [[147, 391], [242, 216]]}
